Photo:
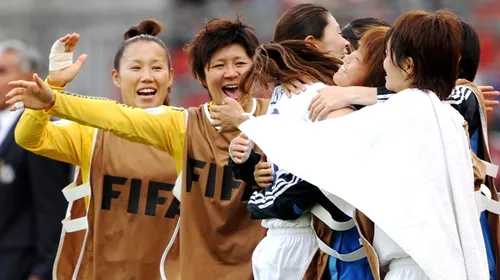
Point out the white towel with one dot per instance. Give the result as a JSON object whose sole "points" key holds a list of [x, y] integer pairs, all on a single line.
{"points": [[405, 164]]}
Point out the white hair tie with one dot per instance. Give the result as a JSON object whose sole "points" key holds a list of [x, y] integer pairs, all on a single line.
{"points": [[58, 58]]}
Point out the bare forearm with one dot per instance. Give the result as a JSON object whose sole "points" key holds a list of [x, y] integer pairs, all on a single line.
{"points": [[362, 95]]}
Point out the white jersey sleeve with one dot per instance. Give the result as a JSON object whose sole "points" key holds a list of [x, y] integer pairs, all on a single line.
{"points": [[297, 106]]}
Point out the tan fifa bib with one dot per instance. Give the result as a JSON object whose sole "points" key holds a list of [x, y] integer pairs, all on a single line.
{"points": [[218, 236], [132, 213]]}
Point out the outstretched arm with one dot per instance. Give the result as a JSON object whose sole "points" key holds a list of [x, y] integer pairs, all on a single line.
{"points": [[61, 140], [162, 127]]}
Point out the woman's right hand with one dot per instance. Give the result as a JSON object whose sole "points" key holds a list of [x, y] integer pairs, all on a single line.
{"points": [[263, 173], [62, 70], [35, 94]]}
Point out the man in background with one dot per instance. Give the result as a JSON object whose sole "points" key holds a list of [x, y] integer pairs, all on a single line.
{"points": [[31, 203]]}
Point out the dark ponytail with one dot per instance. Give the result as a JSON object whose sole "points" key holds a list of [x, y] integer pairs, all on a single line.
{"points": [[147, 30]]}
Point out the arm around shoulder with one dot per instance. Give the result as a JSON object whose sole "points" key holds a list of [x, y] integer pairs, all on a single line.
{"points": [[339, 113]]}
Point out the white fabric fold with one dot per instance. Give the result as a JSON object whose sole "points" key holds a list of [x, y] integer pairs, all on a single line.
{"points": [[404, 163]]}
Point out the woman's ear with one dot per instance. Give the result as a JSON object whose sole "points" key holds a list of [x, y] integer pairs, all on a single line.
{"points": [[410, 65], [116, 78], [310, 39]]}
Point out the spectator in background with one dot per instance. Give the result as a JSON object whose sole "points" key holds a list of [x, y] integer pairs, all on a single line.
{"points": [[31, 203]]}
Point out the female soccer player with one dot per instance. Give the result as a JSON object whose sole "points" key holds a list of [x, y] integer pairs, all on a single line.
{"points": [[426, 205], [131, 211], [218, 236], [359, 69], [469, 100], [285, 235]]}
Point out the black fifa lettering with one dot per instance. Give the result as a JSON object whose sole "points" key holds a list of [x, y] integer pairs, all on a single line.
{"points": [[210, 190], [135, 195], [154, 198], [190, 174], [107, 190], [228, 184], [248, 192], [174, 209]]}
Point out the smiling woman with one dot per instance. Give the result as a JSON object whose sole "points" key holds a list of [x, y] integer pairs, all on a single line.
{"points": [[142, 67], [213, 203], [223, 70], [143, 73], [219, 64], [363, 67]]}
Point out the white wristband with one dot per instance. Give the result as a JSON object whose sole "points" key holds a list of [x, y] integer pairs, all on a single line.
{"points": [[58, 58]]}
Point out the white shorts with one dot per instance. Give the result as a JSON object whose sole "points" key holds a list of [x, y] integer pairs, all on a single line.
{"points": [[285, 253]]}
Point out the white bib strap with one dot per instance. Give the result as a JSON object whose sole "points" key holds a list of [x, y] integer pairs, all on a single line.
{"points": [[321, 213], [491, 169], [85, 223], [167, 250], [482, 198], [75, 224], [484, 202], [494, 207], [351, 257], [73, 192]]}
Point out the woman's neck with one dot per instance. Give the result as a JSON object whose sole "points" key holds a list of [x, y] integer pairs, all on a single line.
{"points": [[247, 103]]}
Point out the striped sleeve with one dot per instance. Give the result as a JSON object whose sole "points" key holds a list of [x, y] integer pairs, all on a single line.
{"points": [[282, 201], [464, 100], [292, 203]]}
